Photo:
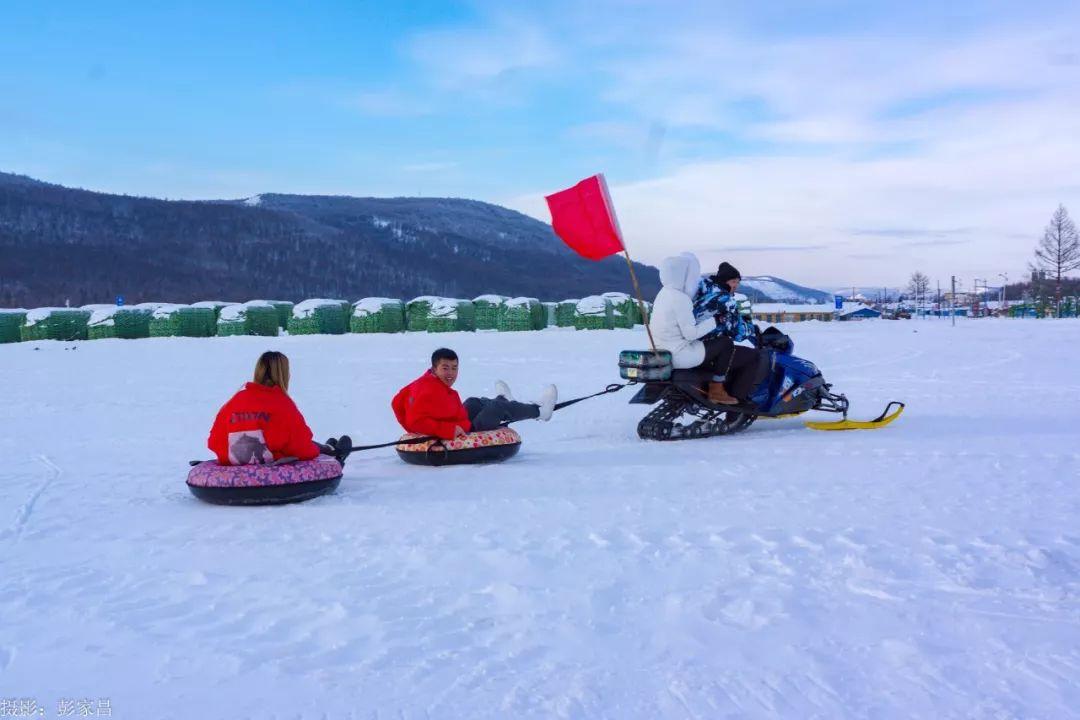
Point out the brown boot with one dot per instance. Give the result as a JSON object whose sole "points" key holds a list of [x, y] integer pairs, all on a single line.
{"points": [[718, 395]]}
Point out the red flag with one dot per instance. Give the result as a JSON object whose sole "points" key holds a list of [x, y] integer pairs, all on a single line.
{"points": [[584, 218]]}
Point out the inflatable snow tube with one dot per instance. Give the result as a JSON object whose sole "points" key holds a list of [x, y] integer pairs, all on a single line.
{"points": [[490, 446], [264, 484]]}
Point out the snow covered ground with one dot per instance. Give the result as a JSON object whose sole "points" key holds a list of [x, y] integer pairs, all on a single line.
{"points": [[927, 570]]}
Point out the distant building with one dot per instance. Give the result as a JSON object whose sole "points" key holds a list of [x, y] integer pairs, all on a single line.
{"points": [[857, 311], [783, 312]]}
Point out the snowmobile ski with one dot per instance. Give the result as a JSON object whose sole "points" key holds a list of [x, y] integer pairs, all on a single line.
{"points": [[880, 421]]}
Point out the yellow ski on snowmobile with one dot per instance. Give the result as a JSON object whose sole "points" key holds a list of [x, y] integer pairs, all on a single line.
{"points": [[879, 422]]}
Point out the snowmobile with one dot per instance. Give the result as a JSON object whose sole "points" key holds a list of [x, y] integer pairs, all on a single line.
{"points": [[790, 386]]}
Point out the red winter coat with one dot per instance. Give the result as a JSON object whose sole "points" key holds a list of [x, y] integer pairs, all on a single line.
{"points": [[260, 424], [427, 406]]}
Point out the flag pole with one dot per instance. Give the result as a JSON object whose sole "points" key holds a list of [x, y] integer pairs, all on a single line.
{"points": [[610, 206], [640, 301]]}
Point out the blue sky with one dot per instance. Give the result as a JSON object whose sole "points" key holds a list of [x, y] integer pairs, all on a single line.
{"points": [[838, 138]]}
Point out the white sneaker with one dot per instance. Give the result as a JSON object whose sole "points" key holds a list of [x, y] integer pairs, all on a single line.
{"points": [[547, 401], [503, 390]]}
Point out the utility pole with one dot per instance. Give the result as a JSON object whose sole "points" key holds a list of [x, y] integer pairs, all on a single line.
{"points": [[952, 310], [1005, 277]]}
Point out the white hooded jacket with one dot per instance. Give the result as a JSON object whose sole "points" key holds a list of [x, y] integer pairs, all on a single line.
{"points": [[672, 322]]}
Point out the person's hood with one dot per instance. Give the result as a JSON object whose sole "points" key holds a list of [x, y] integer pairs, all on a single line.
{"points": [[681, 272]]}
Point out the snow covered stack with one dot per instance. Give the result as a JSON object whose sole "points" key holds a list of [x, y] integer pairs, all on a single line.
{"points": [[565, 312], [255, 317], [284, 312], [519, 314], [625, 313], [10, 322], [111, 321], [416, 312], [215, 305], [442, 315], [488, 309], [169, 320], [55, 324], [450, 314], [593, 313], [378, 315], [318, 317]]}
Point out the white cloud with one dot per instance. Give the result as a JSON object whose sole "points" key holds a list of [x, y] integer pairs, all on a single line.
{"points": [[974, 129], [470, 57]]}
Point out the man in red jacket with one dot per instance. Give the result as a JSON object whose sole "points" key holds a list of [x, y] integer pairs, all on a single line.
{"points": [[430, 406]]}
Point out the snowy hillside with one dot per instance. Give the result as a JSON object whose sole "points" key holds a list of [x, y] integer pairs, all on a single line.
{"points": [[766, 288], [927, 570]]}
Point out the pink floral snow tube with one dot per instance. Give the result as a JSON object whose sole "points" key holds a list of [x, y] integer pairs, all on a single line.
{"points": [[210, 474], [486, 446]]}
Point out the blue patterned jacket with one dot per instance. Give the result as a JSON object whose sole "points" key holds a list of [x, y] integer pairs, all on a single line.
{"points": [[712, 299]]}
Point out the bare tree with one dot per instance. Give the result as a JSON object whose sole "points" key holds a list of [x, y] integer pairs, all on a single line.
{"points": [[919, 285], [1059, 251]]}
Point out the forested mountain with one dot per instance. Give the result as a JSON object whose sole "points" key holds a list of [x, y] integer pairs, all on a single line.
{"points": [[59, 244]]}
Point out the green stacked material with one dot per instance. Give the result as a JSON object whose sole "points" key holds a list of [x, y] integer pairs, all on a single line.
{"points": [[538, 313], [378, 315], [488, 309], [625, 313], [127, 323], [215, 305], [167, 320], [443, 315], [284, 312], [594, 313], [256, 317], [195, 322], [466, 312], [55, 324], [318, 317], [161, 318], [517, 315], [417, 312], [10, 323], [565, 313]]}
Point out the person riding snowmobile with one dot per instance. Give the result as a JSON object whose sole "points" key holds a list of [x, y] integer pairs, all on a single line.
{"points": [[745, 367], [692, 342]]}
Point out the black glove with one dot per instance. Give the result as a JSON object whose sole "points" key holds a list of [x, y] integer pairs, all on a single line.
{"points": [[719, 318]]}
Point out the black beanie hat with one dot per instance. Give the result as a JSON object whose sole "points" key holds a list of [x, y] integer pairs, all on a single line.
{"points": [[725, 272]]}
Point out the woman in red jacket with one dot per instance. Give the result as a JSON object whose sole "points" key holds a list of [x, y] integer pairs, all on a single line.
{"points": [[261, 423]]}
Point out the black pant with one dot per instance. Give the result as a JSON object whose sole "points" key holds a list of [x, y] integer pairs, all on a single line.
{"points": [[492, 413], [742, 367]]}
